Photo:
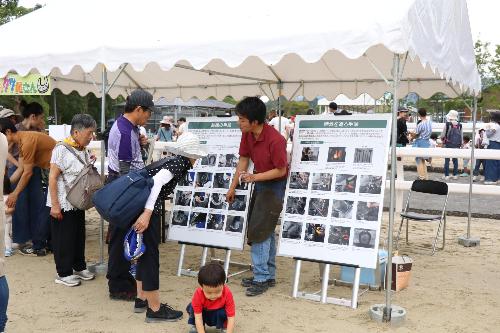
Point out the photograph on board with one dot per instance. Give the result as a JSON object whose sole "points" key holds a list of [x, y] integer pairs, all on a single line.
{"points": [[198, 220], [239, 203], [342, 209], [370, 184], [363, 155], [296, 205], [200, 199], [336, 154], [218, 201], [299, 180], [345, 183], [292, 230], [183, 198], [364, 238], [228, 160], [215, 221], [322, 182], [180, 217], [339, 235], [222, 180], [318, 207], [208, 160], [367, 211], [315, 233], [234, 223], [203, 179], [188, 179], [310, 154]]}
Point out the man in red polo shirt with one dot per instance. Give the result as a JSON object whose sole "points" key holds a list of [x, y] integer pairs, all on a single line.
{"points": [[267, 149]]}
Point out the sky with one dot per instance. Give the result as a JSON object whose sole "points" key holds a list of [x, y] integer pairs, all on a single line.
{"points": [[483, 15]]}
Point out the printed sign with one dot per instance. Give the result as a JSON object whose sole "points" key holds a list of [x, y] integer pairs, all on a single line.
{"points": [[32, 84], [334, 199], [200, 213]]}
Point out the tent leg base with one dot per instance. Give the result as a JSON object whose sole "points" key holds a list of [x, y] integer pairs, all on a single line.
{"points": [[398, 314], [468, 242]]}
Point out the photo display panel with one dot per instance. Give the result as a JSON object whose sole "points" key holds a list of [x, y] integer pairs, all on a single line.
{"points": [[200, 212], [335, 190]]}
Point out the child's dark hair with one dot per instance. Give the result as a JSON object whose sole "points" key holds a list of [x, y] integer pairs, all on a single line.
{"points": [[211, 275], [434, 136], [252, 108], [466, 138]]}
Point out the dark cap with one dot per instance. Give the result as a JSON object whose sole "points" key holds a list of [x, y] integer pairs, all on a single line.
{"points": [[333, 106], [402, 110], [142, 98]]}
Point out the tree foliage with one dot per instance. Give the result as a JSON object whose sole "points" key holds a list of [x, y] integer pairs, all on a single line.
{"points": [[10, 10]]}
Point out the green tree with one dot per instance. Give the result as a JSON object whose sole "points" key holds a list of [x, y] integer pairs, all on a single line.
{"points": [[10, 10]]}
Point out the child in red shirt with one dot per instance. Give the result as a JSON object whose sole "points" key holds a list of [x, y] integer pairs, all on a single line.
{"points": [[212, 303]]}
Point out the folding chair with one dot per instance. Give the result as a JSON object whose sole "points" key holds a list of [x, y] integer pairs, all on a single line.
{"points": [[435, 188]]}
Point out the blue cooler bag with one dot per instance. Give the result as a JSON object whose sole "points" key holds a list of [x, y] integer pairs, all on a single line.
{"points": [[122, 201]]}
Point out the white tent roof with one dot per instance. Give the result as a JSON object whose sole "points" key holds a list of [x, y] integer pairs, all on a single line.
{"points": [[363, 99], [245, 49]]}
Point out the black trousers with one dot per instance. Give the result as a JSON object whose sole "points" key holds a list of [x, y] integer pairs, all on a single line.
{"points": [[148, 265], [68, 242], [118, 275]]}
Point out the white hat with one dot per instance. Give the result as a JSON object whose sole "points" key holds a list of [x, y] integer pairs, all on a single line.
{"points": [[452, 115], [187, 145], [166, 120]]}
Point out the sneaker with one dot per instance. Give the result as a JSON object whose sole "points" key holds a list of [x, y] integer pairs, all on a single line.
{"points": [[140, 305], [68, 281], [455, 177], [489, 183], [257, 288], [248, 282], [9, 252], [465, 174], [164, 313], [474, 178], [446, 177], [128, 296], [29, 251], [85, 275]]}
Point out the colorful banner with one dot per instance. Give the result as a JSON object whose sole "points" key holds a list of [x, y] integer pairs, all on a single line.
{"points": [[32, 84]]}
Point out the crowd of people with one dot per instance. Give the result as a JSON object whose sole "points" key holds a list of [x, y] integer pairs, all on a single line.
{"points": [[452, 136]]}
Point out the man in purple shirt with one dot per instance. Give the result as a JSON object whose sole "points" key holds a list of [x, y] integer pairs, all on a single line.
{"points": [[124, 155]]}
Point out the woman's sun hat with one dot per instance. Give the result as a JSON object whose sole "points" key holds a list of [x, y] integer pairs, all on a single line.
{"points": [[187, 145], [452, 115], [166, 120]]}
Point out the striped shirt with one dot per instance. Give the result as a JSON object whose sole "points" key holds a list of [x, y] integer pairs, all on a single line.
{"points": [[424, 129]]}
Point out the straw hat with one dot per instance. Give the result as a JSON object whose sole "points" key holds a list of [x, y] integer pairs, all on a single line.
{"points": [[187, 145], [452, 115], [166, 120]]}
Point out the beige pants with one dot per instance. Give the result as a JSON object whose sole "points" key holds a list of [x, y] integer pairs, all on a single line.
{"points": [[422, 169]]}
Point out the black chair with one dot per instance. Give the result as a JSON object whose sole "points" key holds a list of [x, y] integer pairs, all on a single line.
{"points": [[433, 188]]}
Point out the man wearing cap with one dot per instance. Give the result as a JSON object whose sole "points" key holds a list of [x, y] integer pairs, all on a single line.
{"points": [[15, 118], [267, 150], [165, 176], [165, 132], [402, 129], [452, 136], [124, 155]]}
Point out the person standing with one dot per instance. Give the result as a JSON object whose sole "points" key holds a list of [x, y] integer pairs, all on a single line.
{"points": [[165, 132], [67, 222], [481, 143], [267, 150], [35, 150], [452, 136], [280, 127], [4, 286], [492, 167], [181, 126], [124, 155], [402, 129], [422, 135], [332, 109]]}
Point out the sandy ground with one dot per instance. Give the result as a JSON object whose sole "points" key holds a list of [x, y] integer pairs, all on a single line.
{"points": [[457, 290]]}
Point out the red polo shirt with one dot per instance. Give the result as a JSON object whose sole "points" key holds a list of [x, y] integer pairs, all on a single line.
{"points": [[267, 152]]}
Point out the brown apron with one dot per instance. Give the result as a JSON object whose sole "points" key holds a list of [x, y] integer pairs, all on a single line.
{"points": [[263, 214]]}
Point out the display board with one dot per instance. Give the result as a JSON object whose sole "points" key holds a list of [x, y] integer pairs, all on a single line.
{"points": [[335, 190], [200, 213]]}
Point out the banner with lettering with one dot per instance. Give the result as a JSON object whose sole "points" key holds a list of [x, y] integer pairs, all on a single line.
{"points": [[200, 214], [335, 190], [32, 84]]}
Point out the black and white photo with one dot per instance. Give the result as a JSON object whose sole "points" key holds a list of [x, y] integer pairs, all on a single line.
{"points": [[318, 207], [188, 180], [342, 209], [299, 180], [183, 198], [198, 220], [310, 154], [239, 203], [215, 221], [292, 230], [200, 199], [363, 155], [222, 180], [322, 182], [209, 160], [367, 211], [180, 218], [218, 201], [234, 223], [370, 184], [364, 238], [204, 179], [228, 160], [296, 205]]}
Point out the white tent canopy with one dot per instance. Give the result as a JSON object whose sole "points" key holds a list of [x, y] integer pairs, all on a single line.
{"points": [[362, 100], [201, 48]]}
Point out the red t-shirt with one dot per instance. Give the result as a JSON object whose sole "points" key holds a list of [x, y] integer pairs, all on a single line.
{"points": [[267, 152], [226, 301]]}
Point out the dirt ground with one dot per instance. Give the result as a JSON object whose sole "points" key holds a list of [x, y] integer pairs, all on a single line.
{"points": [[456, 290]]}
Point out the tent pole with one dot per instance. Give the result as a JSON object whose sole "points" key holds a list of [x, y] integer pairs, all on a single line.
{"points": [[395, 84], [55, 106], [467, 240], [280, 91]]}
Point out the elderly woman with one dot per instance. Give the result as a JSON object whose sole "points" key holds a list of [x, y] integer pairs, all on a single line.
{"points": [[68, 222]]}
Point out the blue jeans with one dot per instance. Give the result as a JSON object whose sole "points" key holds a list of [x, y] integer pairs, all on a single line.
{"points": [[421, 143], [492, 167], [264, 253], [4, 301], [447, 166], [478, 165], [30, 220], [211, 318]]}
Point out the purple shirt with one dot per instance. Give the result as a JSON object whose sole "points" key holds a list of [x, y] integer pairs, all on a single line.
{"points": [[123, 145]]}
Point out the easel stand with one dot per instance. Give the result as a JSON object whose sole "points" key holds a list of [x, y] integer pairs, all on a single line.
{"points": [[321, 296], [226, 262]]}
